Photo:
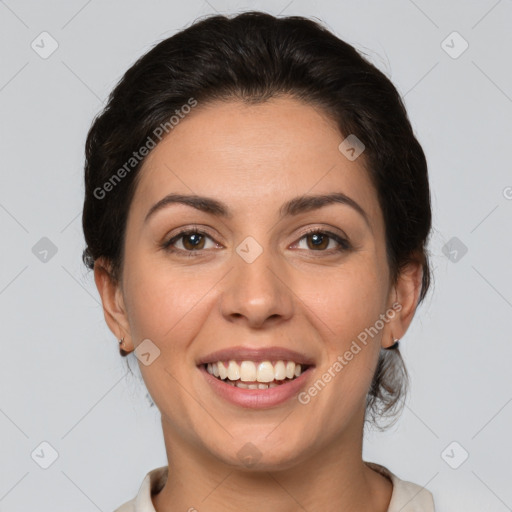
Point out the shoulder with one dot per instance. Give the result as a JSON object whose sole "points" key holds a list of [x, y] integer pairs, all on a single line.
{"points": [[129, 506], [407, 496], [152, 484]]}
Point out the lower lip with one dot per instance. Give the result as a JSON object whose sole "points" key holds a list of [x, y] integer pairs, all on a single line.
{"points": [[257, 398]]}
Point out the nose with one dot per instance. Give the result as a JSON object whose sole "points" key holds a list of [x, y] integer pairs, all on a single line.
{"points": [[257, 293]]}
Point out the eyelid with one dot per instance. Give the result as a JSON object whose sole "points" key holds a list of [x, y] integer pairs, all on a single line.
{"points": [[331, 230]]}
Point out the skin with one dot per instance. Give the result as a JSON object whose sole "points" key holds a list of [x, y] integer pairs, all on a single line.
{"points": [[316, 301]]}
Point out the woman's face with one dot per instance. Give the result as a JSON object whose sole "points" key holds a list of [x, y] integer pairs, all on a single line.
{"points": [[250, 285]]}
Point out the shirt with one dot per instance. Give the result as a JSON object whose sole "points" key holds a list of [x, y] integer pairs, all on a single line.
{"points": [[406, 496]]}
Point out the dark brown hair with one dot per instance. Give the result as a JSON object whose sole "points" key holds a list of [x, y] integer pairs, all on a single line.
{"points": [[252, 57]]}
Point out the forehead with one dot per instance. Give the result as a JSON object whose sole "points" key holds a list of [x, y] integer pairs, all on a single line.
{"points": [[253, 157]]}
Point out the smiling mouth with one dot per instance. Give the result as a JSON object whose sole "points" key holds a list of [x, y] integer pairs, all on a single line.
{"points": [[255, 375]]}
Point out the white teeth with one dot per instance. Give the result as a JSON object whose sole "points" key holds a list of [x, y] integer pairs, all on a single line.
{"points": [[248, 371], [265, 372], [233, 371], [290, 370], [280, 371], [262, 372], [223, 372]]}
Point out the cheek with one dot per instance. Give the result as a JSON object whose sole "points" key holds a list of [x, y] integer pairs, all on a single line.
{"points": [[345, 302], [166, 306], [163, 301], [345, 307]]}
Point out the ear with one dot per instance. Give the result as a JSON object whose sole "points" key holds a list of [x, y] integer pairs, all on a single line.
{"points": [[403, 300], [113, 303]]}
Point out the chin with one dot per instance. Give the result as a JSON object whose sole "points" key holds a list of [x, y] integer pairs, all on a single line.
{"points": [[254, 456]]}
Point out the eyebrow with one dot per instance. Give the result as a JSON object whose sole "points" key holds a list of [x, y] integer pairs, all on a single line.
{"points": [[295, 206]]}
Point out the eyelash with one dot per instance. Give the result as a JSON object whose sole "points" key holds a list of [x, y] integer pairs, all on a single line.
{"points": [[344, 245]]}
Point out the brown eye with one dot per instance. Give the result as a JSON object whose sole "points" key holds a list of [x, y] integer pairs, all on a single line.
{"points": [[318, 241], [193, 241], [190, 241]]}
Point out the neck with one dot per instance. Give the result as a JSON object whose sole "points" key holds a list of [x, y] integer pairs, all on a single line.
{"points": [[335, 478]]}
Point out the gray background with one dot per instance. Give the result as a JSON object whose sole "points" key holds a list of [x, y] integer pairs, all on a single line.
{"points": [[61, 379]]}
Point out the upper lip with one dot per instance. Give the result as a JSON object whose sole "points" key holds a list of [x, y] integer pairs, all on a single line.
{"points": [[256, 354]]}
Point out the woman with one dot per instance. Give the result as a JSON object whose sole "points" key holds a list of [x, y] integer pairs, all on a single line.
{"points": [[257, 211]]}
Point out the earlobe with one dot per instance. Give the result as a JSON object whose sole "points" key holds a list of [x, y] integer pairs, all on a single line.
{"points": [[112, 301]]}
